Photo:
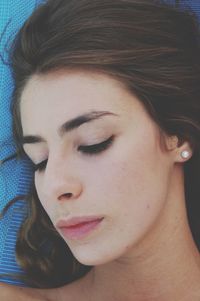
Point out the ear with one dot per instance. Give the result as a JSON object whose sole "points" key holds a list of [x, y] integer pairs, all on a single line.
{"points": [[181, 153], [184, 152]]}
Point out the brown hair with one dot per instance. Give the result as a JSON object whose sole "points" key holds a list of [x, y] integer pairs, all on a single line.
{"points": [[150, 46]]}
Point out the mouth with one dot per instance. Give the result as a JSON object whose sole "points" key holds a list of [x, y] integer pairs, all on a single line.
{"points": [[78, 227]]}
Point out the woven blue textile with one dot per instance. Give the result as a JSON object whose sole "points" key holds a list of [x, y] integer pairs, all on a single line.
{"points": [[15, 177], [193, 4]]}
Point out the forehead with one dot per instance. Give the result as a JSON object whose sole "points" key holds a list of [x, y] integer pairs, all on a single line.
{"points": [[64, 95], [73, 86]]}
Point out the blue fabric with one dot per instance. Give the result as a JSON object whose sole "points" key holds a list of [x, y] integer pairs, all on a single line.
{"points": [[14, 176], [193, 4]]}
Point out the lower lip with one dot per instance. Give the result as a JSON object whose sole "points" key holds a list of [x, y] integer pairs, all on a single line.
{"points": [[81, 230]]}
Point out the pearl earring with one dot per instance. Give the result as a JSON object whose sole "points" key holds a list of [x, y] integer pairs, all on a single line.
{"points": [[185, 154]]}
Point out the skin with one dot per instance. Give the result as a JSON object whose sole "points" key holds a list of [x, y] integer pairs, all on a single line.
{"points": [[143, 250]]}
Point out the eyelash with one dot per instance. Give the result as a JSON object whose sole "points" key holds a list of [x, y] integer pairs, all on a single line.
{"points": [[89, 150]]}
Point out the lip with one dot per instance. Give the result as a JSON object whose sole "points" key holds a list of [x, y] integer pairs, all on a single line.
{"points": [[78, 227]]}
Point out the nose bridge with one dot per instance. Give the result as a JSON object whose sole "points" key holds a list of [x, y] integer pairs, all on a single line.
{"points": [[61, 178]]}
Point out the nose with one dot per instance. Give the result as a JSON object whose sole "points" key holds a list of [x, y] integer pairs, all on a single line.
{"points": [[61, 181]]}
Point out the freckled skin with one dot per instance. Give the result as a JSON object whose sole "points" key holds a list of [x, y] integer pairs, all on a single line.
{"points": [[127, 183]]}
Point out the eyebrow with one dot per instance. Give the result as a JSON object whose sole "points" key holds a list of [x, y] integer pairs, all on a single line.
{"points": [[69, 125]]}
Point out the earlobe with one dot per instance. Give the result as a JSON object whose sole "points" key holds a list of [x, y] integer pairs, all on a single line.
{"points": [[184, 152]]}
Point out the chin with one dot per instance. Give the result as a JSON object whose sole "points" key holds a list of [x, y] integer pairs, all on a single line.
{"points": [[92, 260], [96, 256]]}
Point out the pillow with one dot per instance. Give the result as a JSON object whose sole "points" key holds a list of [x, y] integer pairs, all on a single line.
{"points": [[193, 4]]}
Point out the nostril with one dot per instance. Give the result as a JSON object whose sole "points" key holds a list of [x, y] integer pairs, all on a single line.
{"points": [[65, 196]]}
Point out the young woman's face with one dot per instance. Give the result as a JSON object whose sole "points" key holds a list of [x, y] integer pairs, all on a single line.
{"points": [[108, 166]]}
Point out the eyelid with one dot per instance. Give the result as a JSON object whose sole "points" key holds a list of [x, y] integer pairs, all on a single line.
{"points": [[40, 166], [89, 150], [32, 154], [96, 148]]}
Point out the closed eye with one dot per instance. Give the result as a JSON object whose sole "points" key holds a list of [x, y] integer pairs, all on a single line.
{"points": [[40, 166], [96, 148], [93, 149]]}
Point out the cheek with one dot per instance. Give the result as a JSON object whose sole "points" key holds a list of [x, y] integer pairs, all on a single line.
{"points": [[46, 204], [126, 172], [130, 189], [132, 185]]}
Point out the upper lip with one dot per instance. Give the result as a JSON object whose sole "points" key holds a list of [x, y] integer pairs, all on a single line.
{"points": [[64, 223]]}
